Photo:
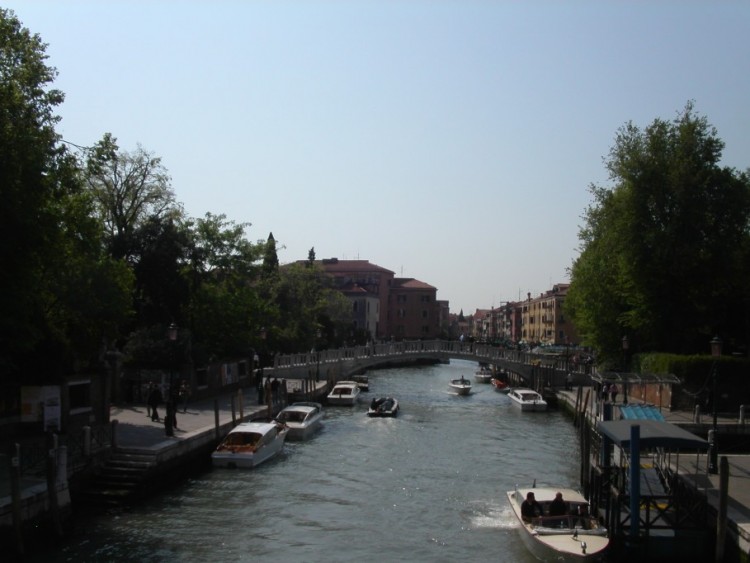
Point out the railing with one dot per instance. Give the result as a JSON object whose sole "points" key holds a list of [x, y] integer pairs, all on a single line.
{"points": [[536, 369]]}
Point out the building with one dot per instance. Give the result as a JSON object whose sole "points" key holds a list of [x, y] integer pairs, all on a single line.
{"points": [[370, 278], [413, 310], [543, 321], [386, 306]]}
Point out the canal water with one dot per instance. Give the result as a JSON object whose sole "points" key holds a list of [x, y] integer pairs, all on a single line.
{"points": [[428, 486]]}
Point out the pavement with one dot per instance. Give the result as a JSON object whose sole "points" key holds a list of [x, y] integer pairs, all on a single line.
{"points": [[135, 429]]}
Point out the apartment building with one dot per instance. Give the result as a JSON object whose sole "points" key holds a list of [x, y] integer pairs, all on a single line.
{"points": [[413, 310], [542, 318]]}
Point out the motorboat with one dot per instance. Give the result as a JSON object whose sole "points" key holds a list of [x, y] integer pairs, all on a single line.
{"points": [[461, 386], [249, 444], [303, 419], [483, 375], [499, 385], [363, 382], [527, 399], [574, 535], [383, 406], [344, 393]]}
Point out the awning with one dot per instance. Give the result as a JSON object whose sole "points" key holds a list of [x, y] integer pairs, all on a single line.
{"points": [[640, 412], [653, 434]]}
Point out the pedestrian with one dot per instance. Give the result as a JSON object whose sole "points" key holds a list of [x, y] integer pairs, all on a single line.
{"points": [[275, 390], [154, 400], [605, 392], [184, 394], [613, 391], [259, 384], [569, 382], [149, 390]]}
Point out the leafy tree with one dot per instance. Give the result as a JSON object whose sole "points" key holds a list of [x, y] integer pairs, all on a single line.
{"points": [[270, 258], [226, 310], [664, 249], [129, 189], [61, 297]]}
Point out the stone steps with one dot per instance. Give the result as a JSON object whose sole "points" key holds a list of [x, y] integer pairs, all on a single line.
{"points": [[119, 480]]}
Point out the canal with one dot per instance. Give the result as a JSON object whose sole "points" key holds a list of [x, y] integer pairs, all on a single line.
{"points": [[428, 486]]}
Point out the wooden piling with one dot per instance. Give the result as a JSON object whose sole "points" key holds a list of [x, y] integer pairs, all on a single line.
{"points": [[721, 518]]}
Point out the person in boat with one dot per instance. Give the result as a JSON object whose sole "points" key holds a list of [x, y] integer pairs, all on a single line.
{"points": [[558, 507], [462, 380], [530, 508]]}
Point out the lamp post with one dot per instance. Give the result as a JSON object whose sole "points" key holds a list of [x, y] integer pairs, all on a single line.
{"points": [[170, 410], [713, 461]]}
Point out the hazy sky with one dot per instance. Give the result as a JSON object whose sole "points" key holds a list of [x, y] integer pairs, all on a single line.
{"points": [[449, 141]]}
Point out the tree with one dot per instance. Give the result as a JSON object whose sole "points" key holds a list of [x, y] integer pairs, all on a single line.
{"points": [[129, 189], [270, 258], [60, 295], [664, 250]]}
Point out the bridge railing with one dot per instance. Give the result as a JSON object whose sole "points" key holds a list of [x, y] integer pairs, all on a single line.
{"points": [[395, 350]]}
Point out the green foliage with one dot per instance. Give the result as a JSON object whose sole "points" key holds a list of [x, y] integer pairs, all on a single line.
{"points": [[664, 250], [128, 189]]}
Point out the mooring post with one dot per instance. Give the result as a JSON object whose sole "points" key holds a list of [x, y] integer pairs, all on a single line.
{"points": [[216, 418], [721, 518], [742, 414], [635, 480], [697, 414], [15, 488]]}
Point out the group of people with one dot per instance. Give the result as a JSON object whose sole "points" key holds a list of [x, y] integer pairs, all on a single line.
{"points": [[155, 398], [530, 509]]}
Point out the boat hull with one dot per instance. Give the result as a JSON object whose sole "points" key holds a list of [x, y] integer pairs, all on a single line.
{"points": [[246, 458], [571, 542], [527, 400], [383, 408], [344, 393], [460, 387]]}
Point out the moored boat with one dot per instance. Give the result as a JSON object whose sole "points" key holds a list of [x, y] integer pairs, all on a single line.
{"points": [[527, 399], [383, 407], [483, 375], [461, 386], [499, 385], [303, 419], [344, 393], [363, 382], [571, 534], [249, 444]]}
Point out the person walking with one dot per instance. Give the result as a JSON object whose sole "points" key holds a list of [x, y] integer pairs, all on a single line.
{"points": [[154, 400], [613, 391], [149, 390], [184, 394], [605, 392]]}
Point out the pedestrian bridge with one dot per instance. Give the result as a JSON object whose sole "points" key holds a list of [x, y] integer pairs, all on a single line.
{"points": [[522, 368]]}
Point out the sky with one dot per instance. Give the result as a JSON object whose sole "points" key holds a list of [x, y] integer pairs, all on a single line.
{"points": [[453, 142]]}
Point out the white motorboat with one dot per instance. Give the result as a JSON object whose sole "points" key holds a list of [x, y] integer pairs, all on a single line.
{"points": [[303, 419], [575, 535], [363, 382], [383, 406], [483, 375], [461, 386], [249, 444], [344, 393], [527, 399]]}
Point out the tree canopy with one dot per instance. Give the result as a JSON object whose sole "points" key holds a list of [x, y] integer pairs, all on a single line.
{"points": [[664, 249]]}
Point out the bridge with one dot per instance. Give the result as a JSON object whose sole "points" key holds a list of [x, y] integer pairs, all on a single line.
{"points": [[521, 368]]}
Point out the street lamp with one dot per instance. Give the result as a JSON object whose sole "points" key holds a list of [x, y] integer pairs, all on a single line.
{"points": [[713, 467], [169, 417]]}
